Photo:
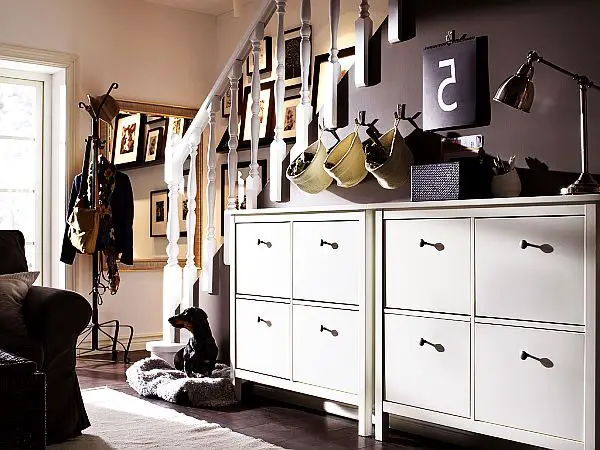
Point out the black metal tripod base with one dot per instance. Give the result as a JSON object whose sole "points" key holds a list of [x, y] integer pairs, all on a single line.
{"points": [[95, 329]]}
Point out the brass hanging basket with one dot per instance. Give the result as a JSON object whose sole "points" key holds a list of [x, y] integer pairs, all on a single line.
{"points": [[395, 171], [313, 179], [346, 161]]}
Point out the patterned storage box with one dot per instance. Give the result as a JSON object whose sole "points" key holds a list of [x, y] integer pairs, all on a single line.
{"points": [[455, 180]]}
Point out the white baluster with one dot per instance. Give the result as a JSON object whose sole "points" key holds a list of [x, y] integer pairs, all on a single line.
{"points": [[253, 181], [304, 108], [278, 147], [173, 274], [363, 33], [232, 158], [335, 68], [190, 271], [209, 246]]}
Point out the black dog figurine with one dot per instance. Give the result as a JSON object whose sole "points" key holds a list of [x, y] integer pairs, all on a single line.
{"points": [[200, 353]]}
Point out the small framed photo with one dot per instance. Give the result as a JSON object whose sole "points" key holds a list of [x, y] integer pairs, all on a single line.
{"points": [[266, 113], [176, 127], [127, 139], [159, 208], [293, 69], [226, 101], [154, 144], [289, 117], [265, 57]]}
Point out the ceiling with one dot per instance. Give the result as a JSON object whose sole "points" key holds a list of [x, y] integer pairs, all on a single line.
{"points": [[211, 7]]}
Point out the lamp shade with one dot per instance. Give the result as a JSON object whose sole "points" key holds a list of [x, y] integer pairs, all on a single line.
{"points": [[517, 90], [109, 110]]}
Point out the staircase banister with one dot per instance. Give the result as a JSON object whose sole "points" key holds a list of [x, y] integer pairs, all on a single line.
{"points": [[200, 121]]}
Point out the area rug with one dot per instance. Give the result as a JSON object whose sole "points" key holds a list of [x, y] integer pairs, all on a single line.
{"points": [[121, 421]]}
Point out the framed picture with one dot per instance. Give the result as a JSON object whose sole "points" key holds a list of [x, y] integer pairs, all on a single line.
{"points": [[289, 117], [154, 144], [293, 70], [176, 127], [265, 57], [159, 207], [320, 85], [243, 172], [127, 138], [226, 100], [266, 115]]}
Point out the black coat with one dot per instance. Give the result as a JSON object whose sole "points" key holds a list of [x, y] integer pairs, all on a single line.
{"points": [[122, 216]]}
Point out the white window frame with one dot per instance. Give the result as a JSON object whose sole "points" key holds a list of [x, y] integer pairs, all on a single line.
{"points": [[61, 68]]}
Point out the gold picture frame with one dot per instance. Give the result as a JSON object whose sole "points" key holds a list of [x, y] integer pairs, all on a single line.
{"points": [[160, 110]]}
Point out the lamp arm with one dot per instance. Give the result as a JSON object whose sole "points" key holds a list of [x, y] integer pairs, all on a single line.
{"points": [[581, 79]]}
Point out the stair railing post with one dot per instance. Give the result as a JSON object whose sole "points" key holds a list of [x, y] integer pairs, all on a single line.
{"points": [[363, 33], [253, 181], [209, 246], [335, 68], [278, 147], [304, 109]]}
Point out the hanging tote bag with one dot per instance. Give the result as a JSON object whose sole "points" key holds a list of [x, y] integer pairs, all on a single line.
{"points": [[84, 221], [346, 161], [313, 179], [395, 171]]}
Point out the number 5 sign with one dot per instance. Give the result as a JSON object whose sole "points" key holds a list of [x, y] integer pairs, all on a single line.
{"points": [[456, 91]]}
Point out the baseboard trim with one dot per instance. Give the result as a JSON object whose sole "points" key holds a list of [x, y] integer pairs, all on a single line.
{"points": [[137, 343]]}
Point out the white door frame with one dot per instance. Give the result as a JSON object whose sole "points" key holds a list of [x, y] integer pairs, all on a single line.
{"points": [[66, 62]]}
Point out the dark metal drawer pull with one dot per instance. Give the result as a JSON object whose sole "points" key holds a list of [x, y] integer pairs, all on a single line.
{"points": [[438, 246], [543, 361], [268, 322], [546, 248], [438, 347], [334, 333], [333, 245], [268, 244]]}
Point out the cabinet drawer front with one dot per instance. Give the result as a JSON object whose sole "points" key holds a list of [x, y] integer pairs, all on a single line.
{"points": [[531, 283], [524, 393], [427, 265], [326, 347], [263, 337], [263, 259], [327, 261], [427, 363]]}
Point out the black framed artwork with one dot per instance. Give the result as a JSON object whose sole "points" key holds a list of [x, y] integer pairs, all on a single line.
{"points": [[289, 117], [265, 57], [293, 68], [266, 114], [319, 85], [244, 169], [128, 139], [159, 206], [155, 141]]}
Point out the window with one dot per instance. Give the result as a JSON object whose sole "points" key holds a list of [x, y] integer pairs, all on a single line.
{"points": [[21, 162]]}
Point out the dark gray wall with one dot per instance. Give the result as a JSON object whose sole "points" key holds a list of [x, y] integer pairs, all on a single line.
{"points": [[566, 32]]}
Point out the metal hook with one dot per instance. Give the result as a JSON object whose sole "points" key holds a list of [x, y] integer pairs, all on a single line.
{"points": [[332, 131], [451, 37], [400, 114]]}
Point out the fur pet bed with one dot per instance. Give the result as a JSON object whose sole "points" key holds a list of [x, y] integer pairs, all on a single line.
{"points": [[154, 377]]}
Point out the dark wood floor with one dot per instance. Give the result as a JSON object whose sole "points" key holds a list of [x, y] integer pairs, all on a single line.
{"points": [[278, 423]]}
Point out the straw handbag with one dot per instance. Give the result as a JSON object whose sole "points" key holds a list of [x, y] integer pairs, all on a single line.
{"points": [[346, 161], [313, 179], [395, 171]]}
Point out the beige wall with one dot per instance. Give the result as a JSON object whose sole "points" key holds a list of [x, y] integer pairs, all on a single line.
{"points": [[156, 54]]}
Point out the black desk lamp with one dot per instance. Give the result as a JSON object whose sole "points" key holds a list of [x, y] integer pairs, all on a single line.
{"points": [[517, 91]]}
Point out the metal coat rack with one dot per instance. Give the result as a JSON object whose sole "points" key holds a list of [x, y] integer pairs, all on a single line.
{"points": [[95, 328]]}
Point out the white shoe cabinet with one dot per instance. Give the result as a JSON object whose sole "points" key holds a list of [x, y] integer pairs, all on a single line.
{"points": [[478, 315], [302, 305]]}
